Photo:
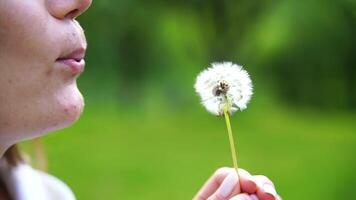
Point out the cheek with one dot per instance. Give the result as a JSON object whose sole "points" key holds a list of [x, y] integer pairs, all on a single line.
{"points": [[25, 33]]}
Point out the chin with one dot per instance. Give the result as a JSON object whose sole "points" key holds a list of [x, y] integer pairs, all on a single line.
{"points": [[67, 109], [50, 114], [72, 106]]}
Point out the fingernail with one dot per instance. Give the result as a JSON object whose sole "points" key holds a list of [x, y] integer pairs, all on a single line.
{"points": [[269, 189], [228, 185]]}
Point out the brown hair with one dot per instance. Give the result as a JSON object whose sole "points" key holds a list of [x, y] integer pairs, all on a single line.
{"points": [[13, 155]]}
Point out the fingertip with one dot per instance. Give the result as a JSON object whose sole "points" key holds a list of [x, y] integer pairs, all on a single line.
{"points": [[229, 186], [266, 196], [261, 180], [223, 170], [213, 183], [267, 192], [247, 182]]}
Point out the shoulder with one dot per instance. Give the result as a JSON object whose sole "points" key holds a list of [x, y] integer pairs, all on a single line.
{"points": [[55, 188], [25, 182]]}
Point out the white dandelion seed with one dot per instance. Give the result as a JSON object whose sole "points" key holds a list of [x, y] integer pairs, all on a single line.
{"points": [[224, 85]]}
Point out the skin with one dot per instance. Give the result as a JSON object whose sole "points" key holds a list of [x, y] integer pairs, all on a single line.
{"points": [[39, 96], [225, 184]]}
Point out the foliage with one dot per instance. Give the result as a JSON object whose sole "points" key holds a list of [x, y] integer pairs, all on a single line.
{"points": [[140, 136]]}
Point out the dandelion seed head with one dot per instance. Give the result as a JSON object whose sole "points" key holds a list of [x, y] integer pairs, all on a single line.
{"points": [[224, 84]]}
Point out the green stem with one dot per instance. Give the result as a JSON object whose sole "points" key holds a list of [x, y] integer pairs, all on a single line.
{"points": [[231, 138]]}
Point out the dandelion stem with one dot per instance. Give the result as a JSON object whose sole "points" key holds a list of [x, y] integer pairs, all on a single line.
{"points": [[231, 138]]}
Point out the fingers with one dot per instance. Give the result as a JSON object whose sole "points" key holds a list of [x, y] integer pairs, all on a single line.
{"points": [[213, 183], [248, 184], [244, 196], [254, 197], [229, 187], [266, 190], [226, 184], [234, 184]]}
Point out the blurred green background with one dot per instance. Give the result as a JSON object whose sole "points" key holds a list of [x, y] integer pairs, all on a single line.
{"points": [[144, 135]]}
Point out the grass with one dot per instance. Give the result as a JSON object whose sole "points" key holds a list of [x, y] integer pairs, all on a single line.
{"points": [[157, 153]]}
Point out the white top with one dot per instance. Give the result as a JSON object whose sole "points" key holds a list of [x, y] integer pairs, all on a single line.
{"points": [[26, 183]]}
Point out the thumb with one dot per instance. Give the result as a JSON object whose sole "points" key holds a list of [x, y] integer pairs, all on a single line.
{"points": [[229, 187]]}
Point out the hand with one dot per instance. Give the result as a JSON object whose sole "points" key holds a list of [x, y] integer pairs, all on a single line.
{"points": [[225, 184]]}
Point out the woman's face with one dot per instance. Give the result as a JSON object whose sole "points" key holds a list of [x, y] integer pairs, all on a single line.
{"points": [[42, 52]]}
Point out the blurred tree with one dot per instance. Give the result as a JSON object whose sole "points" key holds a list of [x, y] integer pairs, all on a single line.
{"points": [[305, 49]]}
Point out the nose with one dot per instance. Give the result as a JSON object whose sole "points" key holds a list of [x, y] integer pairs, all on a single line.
{"points": [[62, 9]]}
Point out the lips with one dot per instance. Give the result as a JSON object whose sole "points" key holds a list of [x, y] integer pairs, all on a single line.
{"points": [[74, 61]]}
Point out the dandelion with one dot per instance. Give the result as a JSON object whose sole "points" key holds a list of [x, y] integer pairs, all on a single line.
{"points": [[224, 88]]}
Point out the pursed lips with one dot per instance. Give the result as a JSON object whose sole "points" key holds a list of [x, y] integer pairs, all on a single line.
{"points": [[74, 61]]}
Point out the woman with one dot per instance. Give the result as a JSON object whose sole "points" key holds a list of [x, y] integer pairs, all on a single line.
{"points": [[42, 51]]}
